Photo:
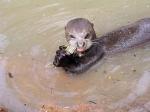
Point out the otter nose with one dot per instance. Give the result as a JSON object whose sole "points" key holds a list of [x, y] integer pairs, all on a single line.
{"points": [[80, 44]]}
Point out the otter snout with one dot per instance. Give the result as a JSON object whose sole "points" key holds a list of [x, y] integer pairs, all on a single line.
{"points": [[81, 44]]}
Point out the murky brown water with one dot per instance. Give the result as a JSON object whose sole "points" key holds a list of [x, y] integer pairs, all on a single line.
{"points": [[30, 33]]}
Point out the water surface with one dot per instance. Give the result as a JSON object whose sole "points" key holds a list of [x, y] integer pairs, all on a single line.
{"points": [[30, 33]]}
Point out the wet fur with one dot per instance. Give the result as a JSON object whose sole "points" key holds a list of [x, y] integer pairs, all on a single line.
{"points": [[116, 41]]}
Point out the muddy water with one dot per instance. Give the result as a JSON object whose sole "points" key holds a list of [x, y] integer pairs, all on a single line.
{"points": [[31, 31]]}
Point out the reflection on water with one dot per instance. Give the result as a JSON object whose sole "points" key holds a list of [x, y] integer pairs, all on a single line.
{"points": [[30, 33]]}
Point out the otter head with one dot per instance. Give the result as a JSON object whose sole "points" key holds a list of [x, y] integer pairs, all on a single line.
{"points": [[80, 33]]}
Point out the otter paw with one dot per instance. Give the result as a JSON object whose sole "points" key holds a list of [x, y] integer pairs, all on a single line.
{"points": [[60, 55]]}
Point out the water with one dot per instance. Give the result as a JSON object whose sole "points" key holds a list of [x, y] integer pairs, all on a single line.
{"points": [[30, 33]]}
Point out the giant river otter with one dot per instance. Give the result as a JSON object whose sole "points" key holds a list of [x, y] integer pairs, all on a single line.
{"points": [[88, 49]]}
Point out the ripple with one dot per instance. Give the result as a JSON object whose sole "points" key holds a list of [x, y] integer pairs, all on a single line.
{"points": [[3, 43]]}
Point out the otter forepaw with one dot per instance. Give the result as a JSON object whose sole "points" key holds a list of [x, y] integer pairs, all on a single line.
{"points": [[60, 55]]}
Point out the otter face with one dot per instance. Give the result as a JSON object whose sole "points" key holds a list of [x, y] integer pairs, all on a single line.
{"points": [[80, 33]]}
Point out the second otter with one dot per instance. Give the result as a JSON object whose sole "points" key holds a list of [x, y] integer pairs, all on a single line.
{"points": [[81, 35]]}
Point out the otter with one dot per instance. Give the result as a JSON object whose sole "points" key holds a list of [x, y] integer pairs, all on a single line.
{"points": [[80, 33]]}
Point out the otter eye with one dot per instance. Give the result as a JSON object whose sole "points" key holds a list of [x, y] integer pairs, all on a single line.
{"points": [[87, 36], [71, 36]]}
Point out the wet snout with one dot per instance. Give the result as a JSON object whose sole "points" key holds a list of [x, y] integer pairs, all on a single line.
{"points": [[81, 44]]}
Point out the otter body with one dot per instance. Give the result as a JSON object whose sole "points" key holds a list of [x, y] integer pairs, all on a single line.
{"points": [[80, 33], [127, 37]]}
